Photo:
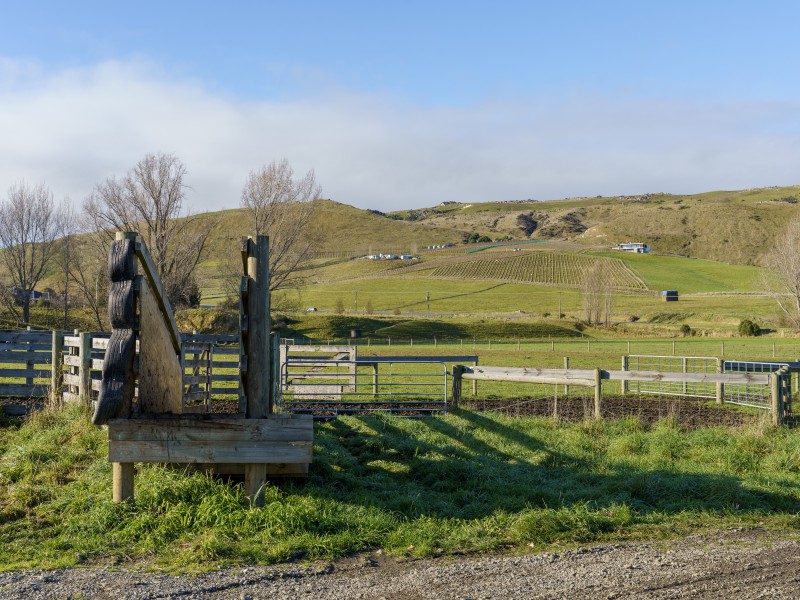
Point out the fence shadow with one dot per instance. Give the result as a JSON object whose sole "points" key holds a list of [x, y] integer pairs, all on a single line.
{"points": [[443, 468]]}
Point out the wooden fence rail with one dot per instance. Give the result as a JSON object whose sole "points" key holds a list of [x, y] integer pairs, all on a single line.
{"points": [[594, 378]]}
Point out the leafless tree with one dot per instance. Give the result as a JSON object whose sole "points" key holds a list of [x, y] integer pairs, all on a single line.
{"points": [[149, 200], [598, 295], [782, 280], [280, 206], [30, 223]]}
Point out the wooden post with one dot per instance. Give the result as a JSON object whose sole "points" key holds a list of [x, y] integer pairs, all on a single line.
{"points": [[775, 396], [123, 481], [29, 363], [566, 366], [685, 369], [354, 368], [85, 354], [258, 347], [673, 347], [722, 350], [629, 346], [456, 394], [258, 384], [598, 393], [720, 385], [623, 385], [374, 379], [57, 364], [475, 384]]}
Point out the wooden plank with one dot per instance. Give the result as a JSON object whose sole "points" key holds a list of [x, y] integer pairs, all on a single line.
{"points": [[70, 379], [73, 360], [100, 343], [41, 358], [159, 295], [25, 347], [22, 335], [529, 375], [221, 338], [27, 373], [72, 341], [328, 349], [20, 390], [748, 378], [160, 374], [368, 360], [213, 429], [260, 452]]}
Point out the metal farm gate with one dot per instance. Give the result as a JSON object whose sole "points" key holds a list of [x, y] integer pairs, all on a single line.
{"points": [[743, 394]]}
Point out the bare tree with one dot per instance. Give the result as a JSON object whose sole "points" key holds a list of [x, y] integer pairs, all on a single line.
{"points": [[782, 281], [149, 200], [280, 206], [30, 223], [598, 295]]}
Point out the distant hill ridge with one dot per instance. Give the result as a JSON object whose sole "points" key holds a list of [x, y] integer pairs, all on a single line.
{"points": [[737, 227]]}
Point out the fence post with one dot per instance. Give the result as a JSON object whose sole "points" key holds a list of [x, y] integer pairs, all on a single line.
{"points": [[85, 370], [354, 368], [720, 385], [775, 393], [685, 369], [598, 393], [475, 384], [374, 379], [566, 366], [29, 363], [623, 385], [456, 394], [57, 364]]}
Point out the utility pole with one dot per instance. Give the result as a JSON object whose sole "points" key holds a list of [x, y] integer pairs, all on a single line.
{"points": [[559, 304], [428, 299]]}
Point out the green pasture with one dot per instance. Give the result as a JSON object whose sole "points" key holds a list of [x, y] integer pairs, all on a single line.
{"points": [[448, 485], [689, 275], [453, 297]]}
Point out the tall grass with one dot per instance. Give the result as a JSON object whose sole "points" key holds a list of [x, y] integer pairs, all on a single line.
{"points": [[465, 482]]}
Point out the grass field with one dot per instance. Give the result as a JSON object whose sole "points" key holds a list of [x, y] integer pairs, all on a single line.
{"points": [[466, 482]]}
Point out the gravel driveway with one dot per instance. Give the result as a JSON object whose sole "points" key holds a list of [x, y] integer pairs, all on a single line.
{"points": [[733, 564]]}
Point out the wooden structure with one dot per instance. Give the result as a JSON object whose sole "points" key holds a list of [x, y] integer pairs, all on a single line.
{"points": [[779, 381], [160, 426]]}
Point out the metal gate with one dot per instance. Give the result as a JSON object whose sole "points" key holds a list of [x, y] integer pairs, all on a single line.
{"points": [[329, 387]]}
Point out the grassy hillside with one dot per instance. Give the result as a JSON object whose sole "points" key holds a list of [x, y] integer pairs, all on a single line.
{"points": [[733, 227]]}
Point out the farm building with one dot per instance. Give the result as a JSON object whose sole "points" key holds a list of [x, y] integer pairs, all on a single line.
{"points": [[637, 247]]}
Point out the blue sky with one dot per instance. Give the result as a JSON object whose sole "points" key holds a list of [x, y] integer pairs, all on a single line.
{"points": [[404, 104]]}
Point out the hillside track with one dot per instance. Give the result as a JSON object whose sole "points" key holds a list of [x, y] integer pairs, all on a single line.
{"points": [[742, 564]]}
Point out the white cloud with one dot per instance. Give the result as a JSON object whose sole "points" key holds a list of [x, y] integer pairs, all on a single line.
{"points": [[74, 128]]}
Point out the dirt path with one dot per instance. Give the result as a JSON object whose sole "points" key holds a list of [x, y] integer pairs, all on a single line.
{"points": [[733, 564]]}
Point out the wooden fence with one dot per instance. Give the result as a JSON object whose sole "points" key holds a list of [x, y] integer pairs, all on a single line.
{"points": [[779, 382]]}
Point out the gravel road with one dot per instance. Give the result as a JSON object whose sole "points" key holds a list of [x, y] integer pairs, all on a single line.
{"points": [[736, 564]]}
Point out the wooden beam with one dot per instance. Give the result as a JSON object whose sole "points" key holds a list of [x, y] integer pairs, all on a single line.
{"points": [[194, 439], [151, 272], [160, 373]]}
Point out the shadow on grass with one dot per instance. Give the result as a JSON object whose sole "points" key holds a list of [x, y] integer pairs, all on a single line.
{"points": [[469, 466]]}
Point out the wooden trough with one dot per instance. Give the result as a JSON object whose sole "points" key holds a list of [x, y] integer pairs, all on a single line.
{"points": [[160, 427]]}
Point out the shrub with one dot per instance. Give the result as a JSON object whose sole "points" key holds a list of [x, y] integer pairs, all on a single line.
{"points": [[749, 328], [686, 330], [338, 306]]}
